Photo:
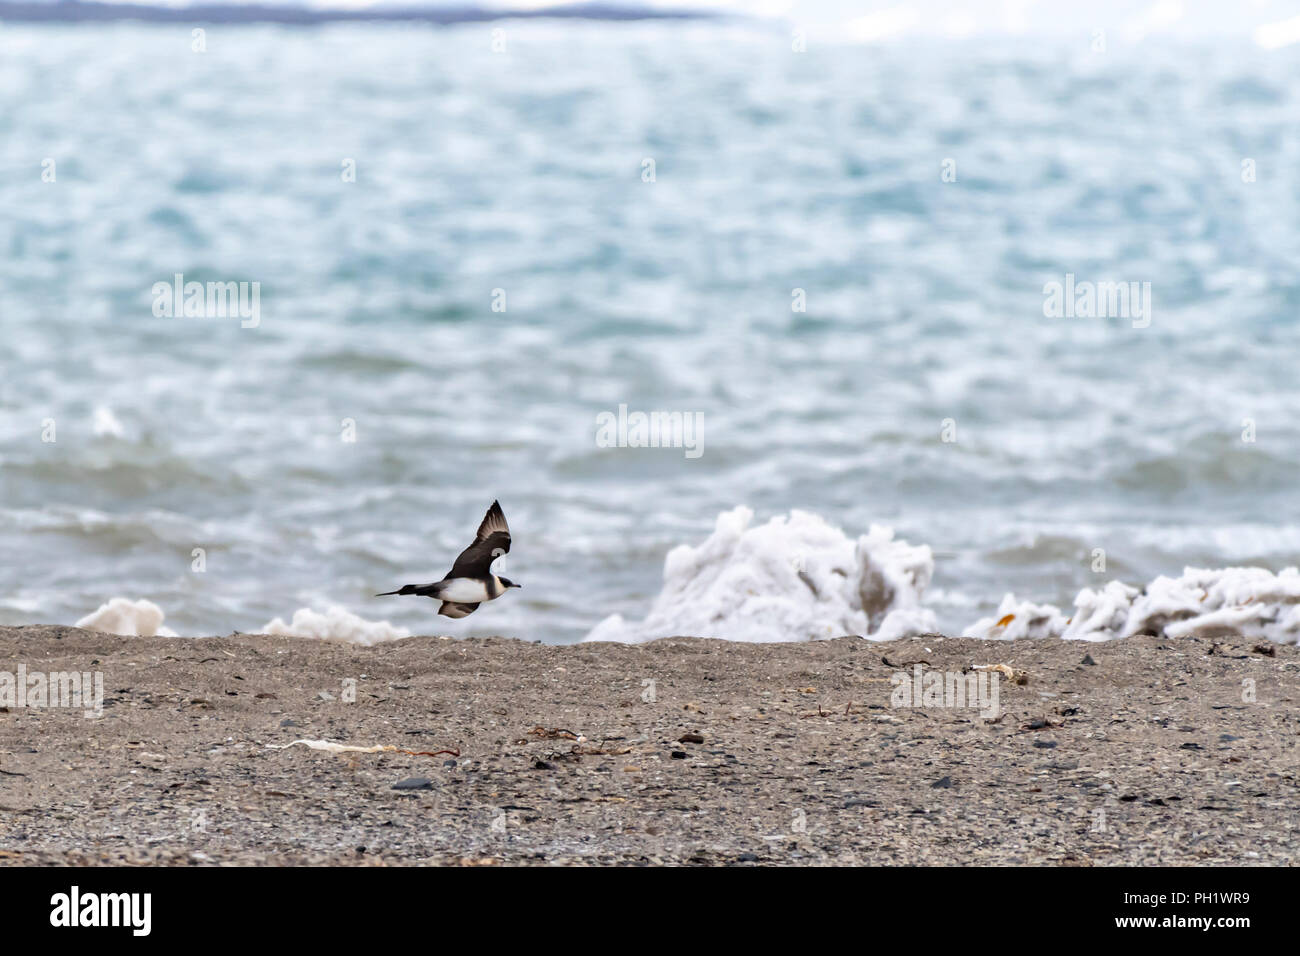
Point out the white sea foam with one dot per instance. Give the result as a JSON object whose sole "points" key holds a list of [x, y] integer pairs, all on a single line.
{"points": [[1019, 619], [128, 618], [336, 624], [793, 578], [1250, 603], [106, 423]]}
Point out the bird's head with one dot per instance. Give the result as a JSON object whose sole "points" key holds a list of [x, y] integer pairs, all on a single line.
{"points": [[506, 582]]}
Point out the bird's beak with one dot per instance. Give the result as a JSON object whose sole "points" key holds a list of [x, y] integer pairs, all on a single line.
{"points": [[518, 585]]}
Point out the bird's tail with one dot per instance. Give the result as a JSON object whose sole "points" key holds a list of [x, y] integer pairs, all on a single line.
{"points": [[405, 589]]}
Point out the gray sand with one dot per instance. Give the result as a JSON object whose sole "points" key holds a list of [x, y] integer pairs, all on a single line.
{"points": [[1156, 753]]}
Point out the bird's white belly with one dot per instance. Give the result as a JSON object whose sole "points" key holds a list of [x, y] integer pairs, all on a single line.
{"points": [[464, 591]]}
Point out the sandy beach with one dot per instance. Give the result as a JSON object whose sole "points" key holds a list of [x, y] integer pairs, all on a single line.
{"points": [[680, 751]]}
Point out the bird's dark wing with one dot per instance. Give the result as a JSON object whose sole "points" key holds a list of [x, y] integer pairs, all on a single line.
{"points": [[492, 541]]}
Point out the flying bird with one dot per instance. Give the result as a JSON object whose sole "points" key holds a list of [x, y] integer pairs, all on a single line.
{"points": [[470, 581]]}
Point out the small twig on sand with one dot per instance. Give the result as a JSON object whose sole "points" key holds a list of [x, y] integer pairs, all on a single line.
{"points": [[553, 733]]}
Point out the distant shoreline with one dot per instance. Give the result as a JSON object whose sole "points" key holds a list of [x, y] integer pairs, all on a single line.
{"points": [[77, 11]]}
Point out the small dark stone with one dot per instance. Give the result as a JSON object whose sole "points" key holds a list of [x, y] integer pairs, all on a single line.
{"points": [[449, 763], [690, 739], [1189, 746], [1227, 737], [944, 783], [747, 858], [678, 755], [288, 723], [414, 783], [1088, 661], [1045, 744], [543, 765]]}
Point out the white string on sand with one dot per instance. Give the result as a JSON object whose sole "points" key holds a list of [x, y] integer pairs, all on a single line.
{"points": [[336, 748]]}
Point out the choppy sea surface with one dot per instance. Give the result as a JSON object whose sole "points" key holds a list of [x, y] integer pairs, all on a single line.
{"points": [[525, 171]]}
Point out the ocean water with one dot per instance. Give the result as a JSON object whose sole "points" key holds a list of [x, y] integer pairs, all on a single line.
{"points": [[525, 171]]}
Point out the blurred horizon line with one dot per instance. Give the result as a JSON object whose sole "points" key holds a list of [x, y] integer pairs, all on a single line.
{"points": [[289, 13]]}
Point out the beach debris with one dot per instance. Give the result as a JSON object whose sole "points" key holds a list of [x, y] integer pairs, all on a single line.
{"points": [[336, 748], [1044, 724], [903, 664], [852, 802], [1268, 650], [600, 751], [1006, 670], [555, 733]]}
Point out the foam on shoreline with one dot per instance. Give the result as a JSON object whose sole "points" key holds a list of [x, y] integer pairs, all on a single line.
{"points": [[798, 578], [793, 578], [336, 624], [1253, 603], [127, 618]]}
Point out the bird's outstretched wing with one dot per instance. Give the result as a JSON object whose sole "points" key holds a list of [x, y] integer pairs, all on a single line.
{"points": [[492, 541]]}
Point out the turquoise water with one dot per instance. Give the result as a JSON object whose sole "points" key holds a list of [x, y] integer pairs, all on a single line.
{"points": [[524, 171]]}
